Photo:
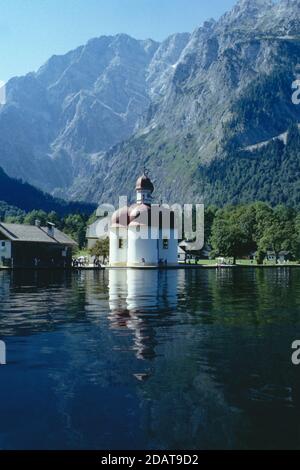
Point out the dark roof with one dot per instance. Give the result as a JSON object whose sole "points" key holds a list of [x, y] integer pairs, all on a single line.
{"points": [[32, 233], [144, 182]]}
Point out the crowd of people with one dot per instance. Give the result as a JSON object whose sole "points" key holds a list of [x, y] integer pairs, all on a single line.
{"points": [[84, 262]]}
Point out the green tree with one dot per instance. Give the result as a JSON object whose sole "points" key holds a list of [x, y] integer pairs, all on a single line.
{"points": [[34, 215], [297, 238], [54, 218], [75, 226], [230, 235], [210, 214], [101, 248], [279, 233]]}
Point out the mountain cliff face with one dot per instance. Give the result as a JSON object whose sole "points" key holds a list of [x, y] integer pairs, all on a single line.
{"points": [[57, 121], [75, 105], [230, 89], [189, 108]]}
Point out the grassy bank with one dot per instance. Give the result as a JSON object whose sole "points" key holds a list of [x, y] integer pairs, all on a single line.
{"points": [[242, 262]]}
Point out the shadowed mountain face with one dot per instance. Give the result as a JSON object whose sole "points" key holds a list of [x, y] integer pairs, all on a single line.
{"points": [[189, 108], [19, 196]]}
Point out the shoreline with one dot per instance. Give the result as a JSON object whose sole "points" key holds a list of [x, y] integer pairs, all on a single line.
{"points": [[203, 266], [164, 268]]}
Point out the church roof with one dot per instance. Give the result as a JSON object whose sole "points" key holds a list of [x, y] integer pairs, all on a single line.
{"points": [[144, 182], [143, 215], [120, 218]]}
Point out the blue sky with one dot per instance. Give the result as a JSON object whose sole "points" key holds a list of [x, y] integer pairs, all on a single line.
{"points": [[33, 30]]}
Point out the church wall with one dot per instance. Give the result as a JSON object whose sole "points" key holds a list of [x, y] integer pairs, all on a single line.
{"points": [[170, 255], [143, 197], [91, 243], [139, 249], [117, 253]]}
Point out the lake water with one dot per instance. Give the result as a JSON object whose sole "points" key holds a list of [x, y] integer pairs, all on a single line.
{"points": [[197, 359]]}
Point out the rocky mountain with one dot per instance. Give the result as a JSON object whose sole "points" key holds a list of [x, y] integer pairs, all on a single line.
{"points": [[59, 120], [202, 111], [230, 89]]}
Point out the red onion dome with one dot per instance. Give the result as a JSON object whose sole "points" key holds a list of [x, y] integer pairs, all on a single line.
{"points": [[144, 183], [153, 216], [120, 218]]}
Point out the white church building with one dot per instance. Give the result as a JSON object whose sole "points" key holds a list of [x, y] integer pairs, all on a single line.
{"points": [[144, 234]]}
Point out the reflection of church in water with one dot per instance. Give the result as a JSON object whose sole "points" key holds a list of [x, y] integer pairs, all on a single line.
{"points": [[137, 299]]}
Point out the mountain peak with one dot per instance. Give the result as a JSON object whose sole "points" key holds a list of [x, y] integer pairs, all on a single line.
{"points": [[252, 7], [246, 13], [279, 18], [250, 4]]}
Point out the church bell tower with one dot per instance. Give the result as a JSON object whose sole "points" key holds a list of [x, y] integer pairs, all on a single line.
{"points": [[144, 189]]}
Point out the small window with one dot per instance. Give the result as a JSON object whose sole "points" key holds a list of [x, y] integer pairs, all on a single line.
{"points": [[138, 229], [2, 243], [165, 243], [121, 243]]}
